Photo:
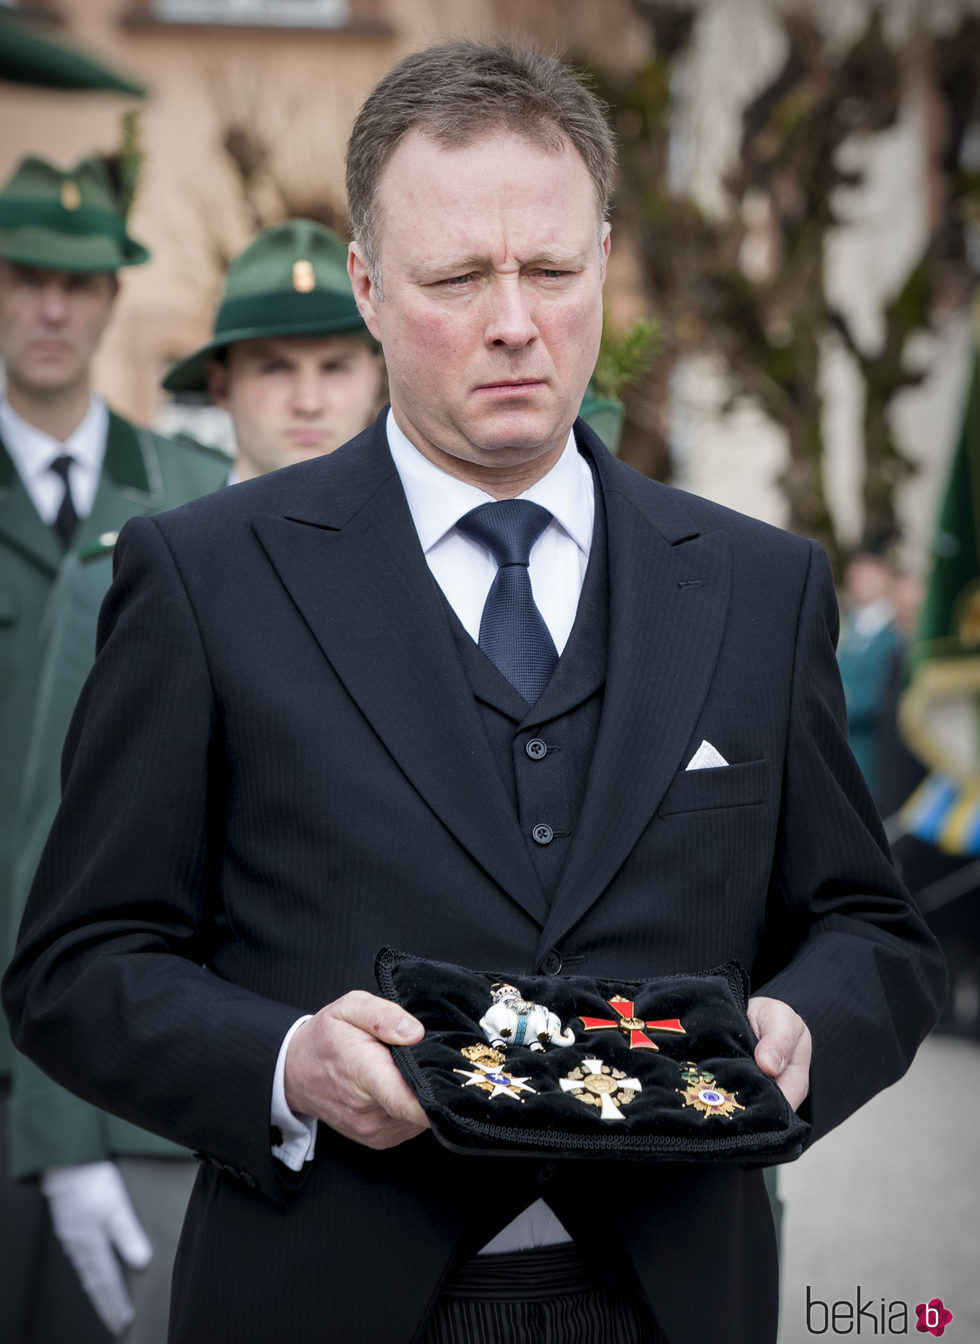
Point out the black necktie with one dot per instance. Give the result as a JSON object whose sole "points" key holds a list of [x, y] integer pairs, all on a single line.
{"points": [[513, 634], [67, 519]]}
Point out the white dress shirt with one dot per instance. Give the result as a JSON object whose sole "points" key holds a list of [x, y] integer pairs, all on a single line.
{"points": [[464, 570], [33, 451]]}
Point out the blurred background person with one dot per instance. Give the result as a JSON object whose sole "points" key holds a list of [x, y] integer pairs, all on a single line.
{"points": [[71, 471], [292, 362], [937, 829], [290, 359], [866, 649]]}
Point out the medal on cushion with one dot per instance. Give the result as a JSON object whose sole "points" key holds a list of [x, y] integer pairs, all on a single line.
{"points": [[704, 1094], [513, 1020], [633, 1027], [488, 1076], [597, 1084]]}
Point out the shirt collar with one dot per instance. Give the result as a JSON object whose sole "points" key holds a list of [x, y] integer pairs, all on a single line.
{"points": [[437, 500], [33, 450]]}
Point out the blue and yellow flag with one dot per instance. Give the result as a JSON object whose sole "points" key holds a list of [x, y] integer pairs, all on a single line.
{"points": [[940, 711]]}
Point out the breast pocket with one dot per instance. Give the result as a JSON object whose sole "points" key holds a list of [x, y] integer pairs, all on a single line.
{"points": [[721, 786]]}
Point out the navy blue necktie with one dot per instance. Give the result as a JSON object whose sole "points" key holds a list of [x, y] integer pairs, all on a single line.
{"points": [[67, 518], [513, 634]]}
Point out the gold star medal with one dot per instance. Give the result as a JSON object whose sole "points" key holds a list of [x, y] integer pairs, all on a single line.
{"points": [[596, 1084], [704, 1094], [488, 1076]]}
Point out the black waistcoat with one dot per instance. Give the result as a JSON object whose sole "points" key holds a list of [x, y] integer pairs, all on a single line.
{"points": [[544, 751]]}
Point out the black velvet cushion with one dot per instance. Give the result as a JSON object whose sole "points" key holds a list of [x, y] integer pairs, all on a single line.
{"points": [[697, 1096]]}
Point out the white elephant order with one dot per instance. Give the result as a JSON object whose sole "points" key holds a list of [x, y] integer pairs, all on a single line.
{"points": [[512, 1020]]}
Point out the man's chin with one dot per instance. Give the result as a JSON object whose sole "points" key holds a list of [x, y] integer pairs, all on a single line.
{"points": [[49, 378], [518, 429], [519, 444]]}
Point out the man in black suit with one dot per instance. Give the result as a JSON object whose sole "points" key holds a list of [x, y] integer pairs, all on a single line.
{"points": [[311, 731]]}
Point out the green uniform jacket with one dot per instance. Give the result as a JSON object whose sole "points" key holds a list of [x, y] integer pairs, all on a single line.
{"points": [[49, 604]]}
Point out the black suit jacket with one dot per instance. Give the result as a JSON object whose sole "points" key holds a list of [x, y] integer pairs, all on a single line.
{"points": [[277, 767]]}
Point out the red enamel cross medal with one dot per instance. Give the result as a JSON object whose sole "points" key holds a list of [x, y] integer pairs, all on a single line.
{"points": [[633, 1027]]}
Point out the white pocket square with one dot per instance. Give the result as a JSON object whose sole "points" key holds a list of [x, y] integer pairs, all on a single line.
{"points": [[706, 757]]}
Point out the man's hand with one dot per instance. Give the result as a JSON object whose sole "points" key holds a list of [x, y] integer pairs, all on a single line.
{"points": [[339, 1068], [95, 1223], [784, 1047]]}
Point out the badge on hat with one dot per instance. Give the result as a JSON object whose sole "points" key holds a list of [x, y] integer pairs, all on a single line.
{"points": [[597, 1084], [304, 278]]}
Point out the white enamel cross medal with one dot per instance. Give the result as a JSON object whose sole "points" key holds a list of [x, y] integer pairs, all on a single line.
{"points": [[597, 1084]]}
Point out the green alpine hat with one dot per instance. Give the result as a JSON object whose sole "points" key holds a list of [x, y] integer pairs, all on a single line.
{"points": [[291, 280], [64, 221], [28, 58]]}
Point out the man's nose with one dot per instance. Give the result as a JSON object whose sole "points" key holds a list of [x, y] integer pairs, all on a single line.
{"points": [[510, 320], [53, 305], [308, 394]]}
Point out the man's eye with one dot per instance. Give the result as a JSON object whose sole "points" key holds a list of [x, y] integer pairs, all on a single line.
{"points": [[454, 281]]}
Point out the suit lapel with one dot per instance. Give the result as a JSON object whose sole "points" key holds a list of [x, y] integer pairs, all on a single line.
{"points": [[351, 562], [21, 526], [668, 596]]}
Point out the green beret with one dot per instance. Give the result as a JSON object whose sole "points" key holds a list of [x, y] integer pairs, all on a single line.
{"points": [[291, 280], [64, 221]]}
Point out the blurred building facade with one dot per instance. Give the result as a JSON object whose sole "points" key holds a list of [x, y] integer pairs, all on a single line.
{"points": [[296, 71], [736, 458]]}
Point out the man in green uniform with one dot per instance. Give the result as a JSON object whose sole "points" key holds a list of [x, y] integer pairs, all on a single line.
{"points": [[292, 362], [71, 471]]}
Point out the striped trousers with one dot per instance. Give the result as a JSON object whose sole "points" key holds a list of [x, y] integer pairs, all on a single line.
{"points": [[545, 1296]]}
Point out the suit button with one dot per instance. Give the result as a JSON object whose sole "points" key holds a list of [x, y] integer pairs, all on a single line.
{"points": [[543, 834], [546, 1173], [551, 962], [536, 749]]}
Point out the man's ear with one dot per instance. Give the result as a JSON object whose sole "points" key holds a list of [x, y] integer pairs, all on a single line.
{"points": [[218, 382], [365, 293]]}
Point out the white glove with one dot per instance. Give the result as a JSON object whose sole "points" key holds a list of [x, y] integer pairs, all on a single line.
{"points": [[95, 1223]]}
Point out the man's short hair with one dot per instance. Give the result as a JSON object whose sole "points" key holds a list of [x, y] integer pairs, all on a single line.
{"points": [[459, 91]]}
